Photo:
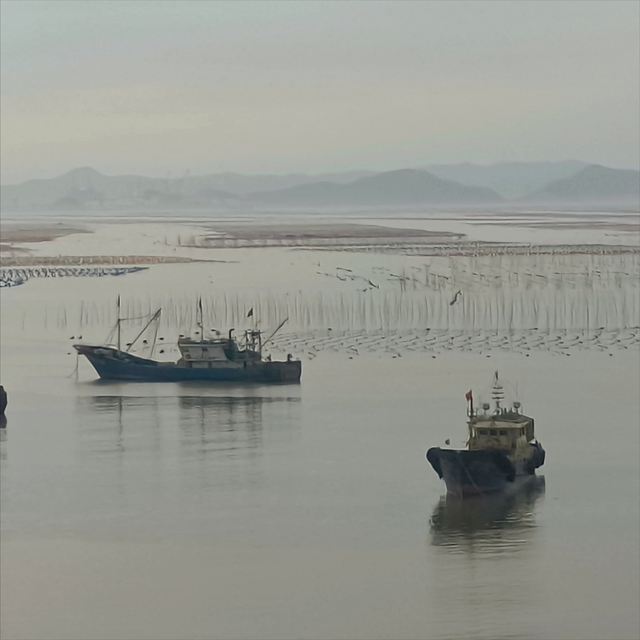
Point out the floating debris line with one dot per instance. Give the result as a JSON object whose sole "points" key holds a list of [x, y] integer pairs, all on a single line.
{"points": [[309, 345], [483, 249]]}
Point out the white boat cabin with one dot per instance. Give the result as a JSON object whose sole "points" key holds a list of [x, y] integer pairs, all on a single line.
{"points": [[505, 429], [218, 352], [204, 354]]}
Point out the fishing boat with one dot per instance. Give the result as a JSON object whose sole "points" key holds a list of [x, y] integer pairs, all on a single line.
{"points": [[215, 359], [3, 400], [501, 449]]}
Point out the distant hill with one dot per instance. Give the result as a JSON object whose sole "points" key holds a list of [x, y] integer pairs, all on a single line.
{"points": [[593, 184], [86, 188], [406, 187], [243, 184], [510, 180]]}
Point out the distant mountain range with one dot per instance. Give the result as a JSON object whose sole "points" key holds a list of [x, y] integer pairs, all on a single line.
{"points": [[243, 184], [406, 187], [510, 180], [593, 184], [440, 185]]}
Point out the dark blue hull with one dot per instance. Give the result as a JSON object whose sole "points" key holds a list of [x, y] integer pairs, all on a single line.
{"points": [[111, 364], [482, 472]]}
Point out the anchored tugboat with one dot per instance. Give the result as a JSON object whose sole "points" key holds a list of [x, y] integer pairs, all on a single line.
{"points": [[215, 360], [501, 447]]}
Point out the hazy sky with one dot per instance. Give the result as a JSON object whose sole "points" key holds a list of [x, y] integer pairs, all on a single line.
{"points": [[159, 88]]}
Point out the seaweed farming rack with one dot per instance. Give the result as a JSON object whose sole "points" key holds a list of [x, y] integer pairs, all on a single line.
{"points": [[11, 277]]}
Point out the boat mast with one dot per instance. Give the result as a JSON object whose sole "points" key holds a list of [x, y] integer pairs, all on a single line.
{"points": [[118, 322], [264, 344], [155, 316]]}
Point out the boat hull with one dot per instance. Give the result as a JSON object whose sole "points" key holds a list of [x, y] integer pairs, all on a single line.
{"points": [[482, 472], [111, 364]]}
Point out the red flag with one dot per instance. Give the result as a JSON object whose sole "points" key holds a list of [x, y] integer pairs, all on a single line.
{"points": [[250, 313], [469, 397]]}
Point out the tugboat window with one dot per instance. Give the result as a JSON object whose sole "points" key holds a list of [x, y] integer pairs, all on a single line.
{"points": [[483, 432], [494, 432], [503, 432]]}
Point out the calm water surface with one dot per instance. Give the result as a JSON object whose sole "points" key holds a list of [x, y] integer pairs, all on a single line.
{"points": [[165, 511]]}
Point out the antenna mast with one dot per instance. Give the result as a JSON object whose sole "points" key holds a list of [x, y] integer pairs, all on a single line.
{"points": [[498, 392]]}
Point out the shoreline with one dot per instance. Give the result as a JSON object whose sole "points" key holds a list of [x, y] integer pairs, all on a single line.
{"points": [[468, 250], [85, 241]]}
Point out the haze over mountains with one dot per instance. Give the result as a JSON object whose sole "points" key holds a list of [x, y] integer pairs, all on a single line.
{"points": [[593, 183], [437, 186], [406, 187], [510, 180]]}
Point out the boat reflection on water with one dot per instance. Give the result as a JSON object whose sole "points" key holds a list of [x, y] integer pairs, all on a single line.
{"points": [[494, 523], [186, 447], [3, 437], [193, 423], [231, 423]]}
